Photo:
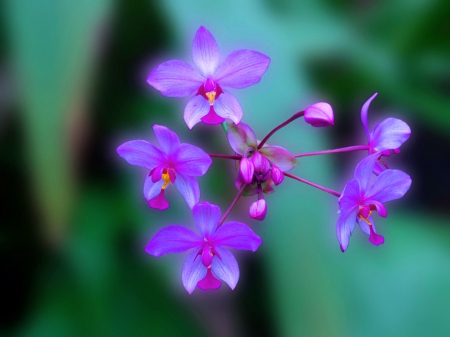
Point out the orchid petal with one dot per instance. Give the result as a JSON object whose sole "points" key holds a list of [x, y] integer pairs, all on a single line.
{"points": [[364, 111], [152, 189], [389, 185], [141, 153], [189, 189], [279, 156], [175, 78], [191, 160], [173, 239], [350, 196], [236, 235], [241, 137], [205, 52], [207, 217], [227, 106], [390, 134], [225, 267], [345, 226], [364, 169], [241, 69], [167, 139], [193, 271], [195, 109]]}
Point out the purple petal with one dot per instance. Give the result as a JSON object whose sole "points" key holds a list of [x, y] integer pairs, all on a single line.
{"points": [[350, 197], [141, 153], [152, 189], [241, 137], [173, 239], [236, 235], [364, 169], [189, 189], [227, 106], [279, 156], [159, 202], [193, 271], [344, 228], [175, 79], [390, 134], [167, 139], [205, 52], [241, 69], [364, 111], [206, 218], [191, 160], [225, 267], [195, 109], [212, 118], [389, 185]]}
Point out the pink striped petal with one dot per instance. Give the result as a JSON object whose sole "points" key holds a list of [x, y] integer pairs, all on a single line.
{"points": [[241, 137], [141, 153], [390, 134], [195, 109], [191, 160], [205, 52], [175, 79], [389, 185], [189, 189], [173, 239], [227, 106], [279, 156], [206, 218], [241, 69], [225, 267], [193, 271], [344, 228], [236, 235], [167, 139]]}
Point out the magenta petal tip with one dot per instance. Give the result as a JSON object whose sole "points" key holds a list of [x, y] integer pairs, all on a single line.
{"points": [[319, 115], [159, 202], [258, 210]]}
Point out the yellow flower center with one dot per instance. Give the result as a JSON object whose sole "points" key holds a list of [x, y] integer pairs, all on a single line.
{"points": [[166, 178], [211, 97]]}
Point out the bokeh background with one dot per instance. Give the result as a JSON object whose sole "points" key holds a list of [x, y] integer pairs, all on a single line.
{"points": [[73, 220]]}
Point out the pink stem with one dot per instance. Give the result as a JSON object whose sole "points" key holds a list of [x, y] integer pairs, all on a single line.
{"points": [[337, 194], [294, 117], [343, 149], [225, 156], [231, 206]]}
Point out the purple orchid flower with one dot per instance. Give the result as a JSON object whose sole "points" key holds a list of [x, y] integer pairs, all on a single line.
{"points": [[208, 261], [386, 137], [259, 168], [172, 163], [362, 195], [211, 104]]}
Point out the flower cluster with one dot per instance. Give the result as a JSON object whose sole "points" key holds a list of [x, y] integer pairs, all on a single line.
{"points": [[259, 166]]}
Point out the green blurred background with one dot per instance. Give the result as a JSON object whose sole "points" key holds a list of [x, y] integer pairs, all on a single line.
{"points": [[73, 220]]}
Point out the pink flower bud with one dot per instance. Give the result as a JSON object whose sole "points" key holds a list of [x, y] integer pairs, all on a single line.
{"points": [[319, 114], [258, 210], [277, 175], [246, 170]]}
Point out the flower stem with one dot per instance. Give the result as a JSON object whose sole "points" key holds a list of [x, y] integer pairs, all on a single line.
{"points": [[224, 156], [294, 117], [343, 149], [231, 206], [224, 127], [337, 194]]}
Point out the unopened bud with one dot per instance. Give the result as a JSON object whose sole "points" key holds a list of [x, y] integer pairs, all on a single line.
{"points": [[258, 210], [246, 170], [319, 114], [277, 175]]}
